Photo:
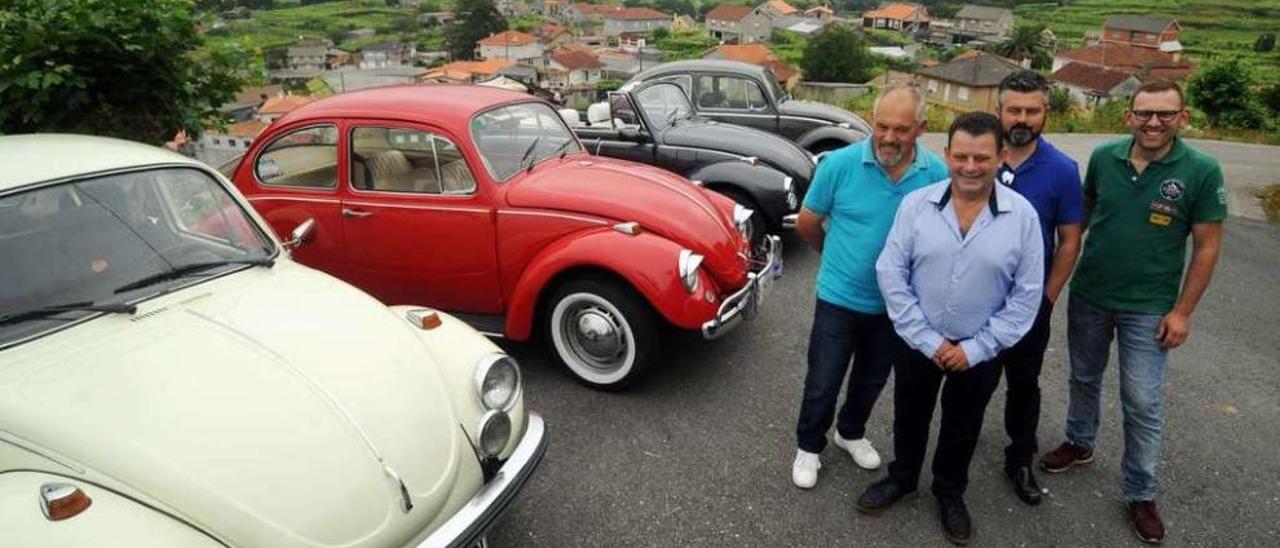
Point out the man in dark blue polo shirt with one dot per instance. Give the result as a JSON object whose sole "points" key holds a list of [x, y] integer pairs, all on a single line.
{"points": [[1051, 182]]}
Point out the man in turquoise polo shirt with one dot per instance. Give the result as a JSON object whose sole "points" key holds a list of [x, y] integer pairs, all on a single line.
{"points": [[1145, 195], [856, 192]]}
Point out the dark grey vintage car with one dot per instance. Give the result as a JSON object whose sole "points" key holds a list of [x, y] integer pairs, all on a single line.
{"points": [[655, 124], [748, 95]]}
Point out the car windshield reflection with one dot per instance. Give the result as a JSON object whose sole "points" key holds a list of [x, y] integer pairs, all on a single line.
{"points": [[513, 137], [82, 241]]}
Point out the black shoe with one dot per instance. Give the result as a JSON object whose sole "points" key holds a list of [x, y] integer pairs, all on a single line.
{"points": [[1024, 484], [955, 520], [880, 495]]}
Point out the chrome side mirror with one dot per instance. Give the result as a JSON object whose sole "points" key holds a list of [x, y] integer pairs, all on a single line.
{"points": [[300, 234]]}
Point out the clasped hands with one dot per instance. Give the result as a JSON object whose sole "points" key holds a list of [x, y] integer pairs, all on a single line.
{"points": [[951, 357]]}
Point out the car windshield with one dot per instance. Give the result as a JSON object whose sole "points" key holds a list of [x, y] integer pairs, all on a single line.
{"points": [[664, 104], [513, 137], [104, 241]]}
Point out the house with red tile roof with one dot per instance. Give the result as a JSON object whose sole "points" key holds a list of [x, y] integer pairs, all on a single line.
{"points": [[635, 21], [1159, 32], [510, 44], [734, 24], [278, 106], [1095, 85], [571, 68], [898, 17], [465, 72], [777, 8], [1145, 63]]}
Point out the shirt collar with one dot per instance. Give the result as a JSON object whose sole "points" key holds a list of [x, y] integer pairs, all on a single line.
{"points": [[940, 195]]}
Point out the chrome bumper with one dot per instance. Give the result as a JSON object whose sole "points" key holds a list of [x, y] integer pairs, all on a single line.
{"points": [[467, 527], [789, 221], [743, 303]]}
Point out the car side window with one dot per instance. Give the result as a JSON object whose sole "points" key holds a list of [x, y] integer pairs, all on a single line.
{"points": [[306, 158], [730, 92], [407, 160], [685, 82]]}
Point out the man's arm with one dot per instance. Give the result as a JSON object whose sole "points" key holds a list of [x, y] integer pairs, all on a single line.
{"points": [[810, 228], [1064, 259], [1206, 240], [893, 272]]}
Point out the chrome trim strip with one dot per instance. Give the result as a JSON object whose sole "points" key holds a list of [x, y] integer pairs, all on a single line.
{"points": [[556, 215], [294, 199], [420, 207], [742, 304], [789, 222], [470, 523]]}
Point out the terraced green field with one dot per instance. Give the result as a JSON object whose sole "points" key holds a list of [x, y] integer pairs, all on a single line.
{"points": [[1210, 27], [282, 27]]}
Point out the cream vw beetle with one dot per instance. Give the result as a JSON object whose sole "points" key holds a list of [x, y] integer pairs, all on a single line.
{"points": [[169, 377]]}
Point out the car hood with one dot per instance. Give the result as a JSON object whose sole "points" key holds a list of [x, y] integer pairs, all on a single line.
{"points": [[771, 149], [823, 111], [265, 406], [662, 202]]}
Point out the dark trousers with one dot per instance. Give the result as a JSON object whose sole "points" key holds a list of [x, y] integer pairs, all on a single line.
{"points": [[840, 334], [964, 402], [1021, 365]]}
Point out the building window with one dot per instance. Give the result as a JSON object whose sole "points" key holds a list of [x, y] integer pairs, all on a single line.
{"points": [[962, 93], [933, 86], [217, 141]]}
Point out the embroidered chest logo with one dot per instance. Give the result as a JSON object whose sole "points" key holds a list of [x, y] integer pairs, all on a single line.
{"points": [[1171, 189], [1006, 177]]}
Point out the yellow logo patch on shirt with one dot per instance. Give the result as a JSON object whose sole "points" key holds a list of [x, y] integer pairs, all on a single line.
{"points": [[1161, 220]]}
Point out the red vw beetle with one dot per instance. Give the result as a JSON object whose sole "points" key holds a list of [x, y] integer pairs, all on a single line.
{"points": [[482, 203]]}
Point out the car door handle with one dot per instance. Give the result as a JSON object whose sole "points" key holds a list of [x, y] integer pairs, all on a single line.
{"points": [[347, 212]]}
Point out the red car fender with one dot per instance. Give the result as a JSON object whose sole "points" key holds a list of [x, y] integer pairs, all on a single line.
{"points": [[647, 262]]}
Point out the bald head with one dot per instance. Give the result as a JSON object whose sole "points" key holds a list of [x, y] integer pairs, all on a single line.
{"points": [[897, 121]]}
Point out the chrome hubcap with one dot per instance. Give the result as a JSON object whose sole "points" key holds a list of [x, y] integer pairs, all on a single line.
{"points": [[595, 336]]}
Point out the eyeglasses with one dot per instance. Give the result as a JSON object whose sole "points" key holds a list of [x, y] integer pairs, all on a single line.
{"points": [[1165, 116]]}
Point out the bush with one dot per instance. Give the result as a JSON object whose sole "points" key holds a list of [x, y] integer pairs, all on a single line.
{"points": [[1060, 100], [1223, 89]]}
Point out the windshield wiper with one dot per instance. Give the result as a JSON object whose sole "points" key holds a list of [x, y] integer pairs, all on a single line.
{"points": [[56, 309], [529, 151], [189, 269]]}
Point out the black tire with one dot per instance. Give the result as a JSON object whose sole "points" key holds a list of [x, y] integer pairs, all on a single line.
{"points": [[822, 148], [756, 227], [599, 303]]}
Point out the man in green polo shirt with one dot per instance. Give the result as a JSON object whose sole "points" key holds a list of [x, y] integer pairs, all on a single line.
{"points": [[1144, 194]]}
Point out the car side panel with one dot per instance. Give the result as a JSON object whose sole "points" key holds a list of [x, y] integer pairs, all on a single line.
{"points": [[646, 261]]}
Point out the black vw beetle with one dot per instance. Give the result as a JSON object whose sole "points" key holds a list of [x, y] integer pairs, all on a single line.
{"points": [[740, 93], [655, 124]]}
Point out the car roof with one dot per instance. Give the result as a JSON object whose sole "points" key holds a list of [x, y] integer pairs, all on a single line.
{"points": [[39, 157], [447, 105], [696, 65]]}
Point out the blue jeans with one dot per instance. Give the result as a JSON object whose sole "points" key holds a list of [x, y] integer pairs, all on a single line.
{"points": [[1090, 330], [840, 334]]}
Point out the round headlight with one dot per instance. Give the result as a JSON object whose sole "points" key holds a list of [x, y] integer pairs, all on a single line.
{"points": [[497, 381], [495, 431]]}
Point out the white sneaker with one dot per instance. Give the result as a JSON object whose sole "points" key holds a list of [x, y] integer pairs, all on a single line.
{"points": [[864, 455], [804, 471]]}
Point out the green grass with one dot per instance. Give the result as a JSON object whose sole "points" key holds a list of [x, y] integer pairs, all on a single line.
{"points": [[1209, 27], [282, 27]]}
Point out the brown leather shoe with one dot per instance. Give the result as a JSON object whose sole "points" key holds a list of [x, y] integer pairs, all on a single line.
{"points": [[1146, 521], [1064, 457]]}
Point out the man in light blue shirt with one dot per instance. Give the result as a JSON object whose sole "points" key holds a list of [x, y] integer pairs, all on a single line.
{"points": [[962, 273], [855, 191]]}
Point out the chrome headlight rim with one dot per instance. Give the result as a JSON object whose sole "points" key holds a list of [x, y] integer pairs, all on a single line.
{"points": [[487, 365], [687, 268], [493, 433], [789, 187]]}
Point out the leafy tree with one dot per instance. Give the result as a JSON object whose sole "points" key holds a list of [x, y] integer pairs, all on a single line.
{"points": [[124, 68], [1265, 43], [837, 54], [1026, 42], [1270, 97], [605, 86], [660, 33], [473, 21], [1223, 90], [1060, 100]]}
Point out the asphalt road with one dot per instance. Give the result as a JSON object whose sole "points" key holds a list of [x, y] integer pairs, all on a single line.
{"points": [[699, 452]]}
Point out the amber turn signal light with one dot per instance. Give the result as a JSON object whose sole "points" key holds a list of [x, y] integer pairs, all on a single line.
{"points": [[424, 319], [61, 501]]}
